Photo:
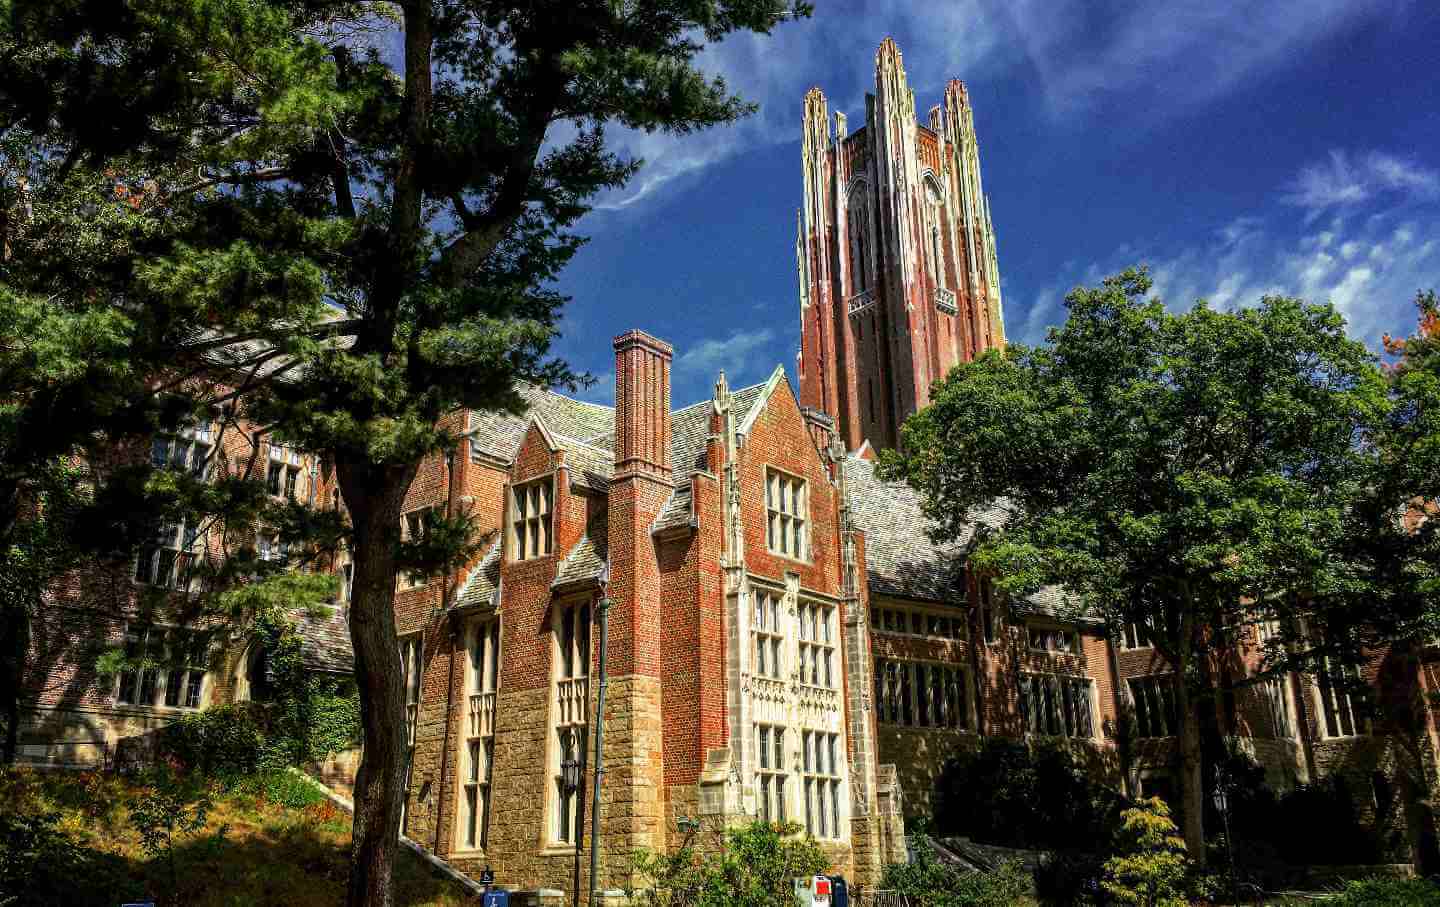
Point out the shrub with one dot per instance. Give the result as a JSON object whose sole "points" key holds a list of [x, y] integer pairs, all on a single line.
{"points": [[283, 788], [928, 881], [755, 865], [1020, 795], [168, 807], [1390, 893], [224, 741], [1149, 867], [33, 853]]}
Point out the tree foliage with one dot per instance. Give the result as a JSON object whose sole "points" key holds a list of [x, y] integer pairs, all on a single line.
{"points": [[753, 864], [1193, 473], [373, 200]]}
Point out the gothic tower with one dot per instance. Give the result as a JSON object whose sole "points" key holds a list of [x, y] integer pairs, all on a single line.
{"points": [[896, 255]]}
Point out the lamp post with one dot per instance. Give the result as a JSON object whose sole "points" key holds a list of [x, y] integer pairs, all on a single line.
{"points": [[1222, 805], [602, 609], [570, 780]]}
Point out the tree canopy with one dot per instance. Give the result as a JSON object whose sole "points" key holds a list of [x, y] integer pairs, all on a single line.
{"points": [[1189, 472], [373, 199]]}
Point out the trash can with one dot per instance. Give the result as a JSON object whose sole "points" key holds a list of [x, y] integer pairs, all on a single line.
{"points": [[839, 891]]}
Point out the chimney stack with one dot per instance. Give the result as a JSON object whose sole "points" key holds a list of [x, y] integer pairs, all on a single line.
{"points": [[642, 405]]}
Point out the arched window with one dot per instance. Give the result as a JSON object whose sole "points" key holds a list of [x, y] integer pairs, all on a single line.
{"points": [[934, 205], [858, 209]]}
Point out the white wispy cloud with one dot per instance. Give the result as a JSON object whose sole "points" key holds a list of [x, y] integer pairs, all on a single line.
{"points": [[743, 355], [1368, 266], [1161, 56], [1344, 180]]}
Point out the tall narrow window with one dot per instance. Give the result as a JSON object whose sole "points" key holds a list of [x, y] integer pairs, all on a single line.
{"points": [[817, 645], [767, 635], [571, 710], [859, 226], [934, 204], [1342, 700], [410, 663], [770, 772], [788, 509], [530, 519], [189, 449], [1137, 636], [1056, 705], [414, 526], [170, 558], [1155, 711], [1277, 701], [163, 666], [481, 675], [820, 768], [283, 477]]}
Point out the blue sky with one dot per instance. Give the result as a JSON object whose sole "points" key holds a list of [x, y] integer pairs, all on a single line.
{"points": [[1237, 148]]}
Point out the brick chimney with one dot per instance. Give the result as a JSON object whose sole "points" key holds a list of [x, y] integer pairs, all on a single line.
{"points": [[642, 405]]}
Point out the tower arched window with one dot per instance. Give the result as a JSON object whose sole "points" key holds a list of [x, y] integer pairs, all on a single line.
{"points": [[859, 240], [935, 257]]}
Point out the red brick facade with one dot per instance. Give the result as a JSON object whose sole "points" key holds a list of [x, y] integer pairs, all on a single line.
{"points": [[896, 255]]}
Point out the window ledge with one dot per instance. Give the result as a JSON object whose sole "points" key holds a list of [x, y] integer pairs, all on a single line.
{"points": [[558, 850], [788, 557]]}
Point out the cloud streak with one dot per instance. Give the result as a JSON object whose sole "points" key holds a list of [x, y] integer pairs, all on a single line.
{"points": [[1367, 258]]}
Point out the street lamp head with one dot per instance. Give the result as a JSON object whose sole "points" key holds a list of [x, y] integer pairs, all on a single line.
{"points": [[570, 775], [1219, 798]]}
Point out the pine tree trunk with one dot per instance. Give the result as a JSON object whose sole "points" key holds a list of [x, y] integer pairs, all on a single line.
{"points": [[380, 780]]}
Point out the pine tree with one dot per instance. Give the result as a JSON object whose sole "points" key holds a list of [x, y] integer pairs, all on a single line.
{"points": [[377, 196]]}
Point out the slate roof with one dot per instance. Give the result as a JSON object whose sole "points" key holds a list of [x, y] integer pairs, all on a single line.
{"points": [[584, 562], [500, 434], [590, 466], [478, 590], [689, 430], [901, 558], [325, 641]]}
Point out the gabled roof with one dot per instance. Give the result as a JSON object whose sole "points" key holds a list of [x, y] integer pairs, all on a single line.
{"points": [[500, 434]]}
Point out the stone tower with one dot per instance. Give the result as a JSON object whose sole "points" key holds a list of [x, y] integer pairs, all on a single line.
{"points": [[896, 255]]}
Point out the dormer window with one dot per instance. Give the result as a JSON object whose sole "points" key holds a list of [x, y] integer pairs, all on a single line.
{"points": [[787, 508], [530, 506]]}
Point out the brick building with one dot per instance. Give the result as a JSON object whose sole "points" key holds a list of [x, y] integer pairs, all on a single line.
{"points": [[785, 641]]}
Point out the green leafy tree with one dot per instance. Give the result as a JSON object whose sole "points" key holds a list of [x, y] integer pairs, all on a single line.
{"points": [[1149, 867], [753, 864], [167, 809], [376, 199], [1188, 472], [926, 880]]}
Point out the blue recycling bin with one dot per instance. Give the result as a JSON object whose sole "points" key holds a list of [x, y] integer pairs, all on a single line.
{"points": [[839, 892], [497, 899]]}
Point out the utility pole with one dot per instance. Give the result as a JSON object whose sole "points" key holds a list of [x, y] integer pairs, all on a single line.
{"points": [[603, 611]]}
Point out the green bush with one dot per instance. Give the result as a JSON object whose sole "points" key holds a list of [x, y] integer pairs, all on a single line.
{"points": [[1016, 794], [1150, 867], [224, 741], [755, 865], [1390, 893], [1070, 877], [34, 853], [282, 787], [928, 881]]}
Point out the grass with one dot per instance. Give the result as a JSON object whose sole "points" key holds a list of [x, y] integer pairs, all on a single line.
{"points": [[268, 840]]}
